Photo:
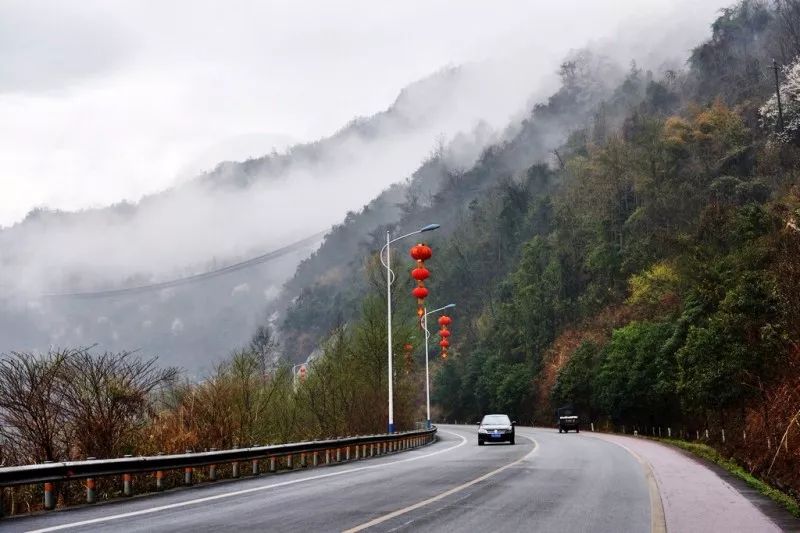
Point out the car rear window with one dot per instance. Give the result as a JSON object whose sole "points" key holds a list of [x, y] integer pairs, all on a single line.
{"points": [[496, 419]]}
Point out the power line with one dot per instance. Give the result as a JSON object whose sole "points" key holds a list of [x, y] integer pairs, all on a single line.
{"points": [[274, 254]]}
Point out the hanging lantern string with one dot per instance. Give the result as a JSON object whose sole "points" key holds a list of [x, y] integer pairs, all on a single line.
{"points": [[444, 334], [420, 253]]}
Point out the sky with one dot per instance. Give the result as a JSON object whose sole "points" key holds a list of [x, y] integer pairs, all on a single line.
{"points": [[110, 100]]}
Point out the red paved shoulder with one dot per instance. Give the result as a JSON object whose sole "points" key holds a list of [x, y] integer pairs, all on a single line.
{"points": [[695, 499]]}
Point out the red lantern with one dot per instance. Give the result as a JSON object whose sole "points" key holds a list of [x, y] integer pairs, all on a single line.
{"points": [[420, 293], [421, 252], [444, 343], [408, 347], [443, 333], [445, 320], [420, 273]]}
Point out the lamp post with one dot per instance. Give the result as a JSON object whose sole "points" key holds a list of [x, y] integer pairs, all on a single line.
{"points": [[427, 375], [389, 281]]}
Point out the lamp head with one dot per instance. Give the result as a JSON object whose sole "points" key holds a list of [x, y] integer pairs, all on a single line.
{"points": [[429, 227]]}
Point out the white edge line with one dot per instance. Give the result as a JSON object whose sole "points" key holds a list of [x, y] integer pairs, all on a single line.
{"points": [[243, 491], [658, 519]]}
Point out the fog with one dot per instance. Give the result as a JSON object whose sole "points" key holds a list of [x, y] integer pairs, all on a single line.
{"points": [[206, 222], [137, 123]]}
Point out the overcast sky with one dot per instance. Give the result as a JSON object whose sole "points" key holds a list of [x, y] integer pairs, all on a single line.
{"points": [[108, 100]]}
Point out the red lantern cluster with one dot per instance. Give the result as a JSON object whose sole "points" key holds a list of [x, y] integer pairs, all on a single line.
{"points": [[420, 253], [444, 333]]}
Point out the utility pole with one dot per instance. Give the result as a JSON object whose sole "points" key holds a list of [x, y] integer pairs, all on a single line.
{"points": [[778, 95]]}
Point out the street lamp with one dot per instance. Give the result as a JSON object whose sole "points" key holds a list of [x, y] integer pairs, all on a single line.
{"points": [[389, 281], [427, 375]]}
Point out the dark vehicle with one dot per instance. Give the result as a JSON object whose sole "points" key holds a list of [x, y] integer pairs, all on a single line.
{"points": [[496, 428], [567, 419]]}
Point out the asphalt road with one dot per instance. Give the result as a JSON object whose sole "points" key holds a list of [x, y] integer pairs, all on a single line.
{"points": [[546, 482]]}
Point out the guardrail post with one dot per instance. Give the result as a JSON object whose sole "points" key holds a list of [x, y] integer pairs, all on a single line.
{"points": [[669, 433], [355, 452], [212, 470], [338, 455], [90, 492], [187, 473], [235, 469], [255, 467], [290, 461], [303, 460], [159, 477], [371, 449], [723, 436], [49, 495], [127, 489], [327, 457], [315, 458], [347, 453], [272, 464]]}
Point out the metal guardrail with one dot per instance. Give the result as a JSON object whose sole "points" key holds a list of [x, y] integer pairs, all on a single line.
{"points": [[308, 454]]}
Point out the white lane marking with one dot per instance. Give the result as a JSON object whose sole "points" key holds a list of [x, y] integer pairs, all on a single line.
{"points": [[445, 494], [247, 491]]}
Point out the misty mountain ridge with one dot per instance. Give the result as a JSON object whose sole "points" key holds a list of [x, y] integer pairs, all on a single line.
{"points": [[222, 217]]}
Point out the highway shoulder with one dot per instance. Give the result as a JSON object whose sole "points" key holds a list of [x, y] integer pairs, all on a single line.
{"points": [[699, 496]]}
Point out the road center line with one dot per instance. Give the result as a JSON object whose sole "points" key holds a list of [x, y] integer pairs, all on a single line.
{"points": [[246, 491], [423, 503]]}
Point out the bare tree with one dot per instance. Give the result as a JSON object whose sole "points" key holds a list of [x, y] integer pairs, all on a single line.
{"points": [[107, 399], [32, 413]]}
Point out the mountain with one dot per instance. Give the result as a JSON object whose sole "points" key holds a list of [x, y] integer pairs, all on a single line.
{"points": [[327, 286], [235, 211]]}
